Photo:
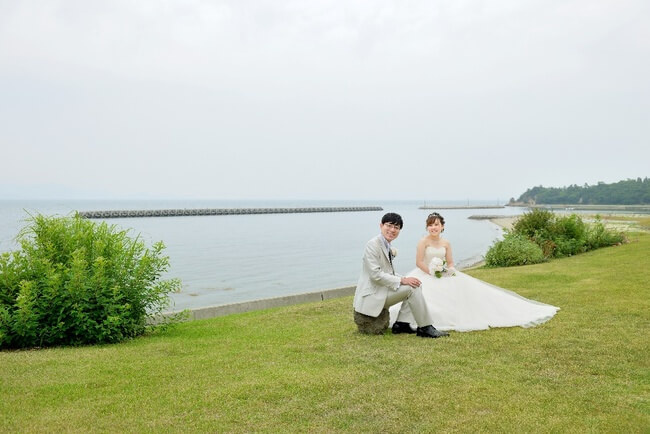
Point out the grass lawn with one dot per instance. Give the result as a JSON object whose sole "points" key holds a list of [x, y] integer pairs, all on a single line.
{"points": [[305, 368]]}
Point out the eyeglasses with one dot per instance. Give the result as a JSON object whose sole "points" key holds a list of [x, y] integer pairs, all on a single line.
{"points": [[392, 226]]}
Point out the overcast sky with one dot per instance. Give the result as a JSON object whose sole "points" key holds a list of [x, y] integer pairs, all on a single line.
{"points": [[284, 99]]}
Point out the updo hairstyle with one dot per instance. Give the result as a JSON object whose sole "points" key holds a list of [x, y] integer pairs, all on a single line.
{"points": [[433, 217]]}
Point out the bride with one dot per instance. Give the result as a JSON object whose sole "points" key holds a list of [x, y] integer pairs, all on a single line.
{"points": [[460, 302]]}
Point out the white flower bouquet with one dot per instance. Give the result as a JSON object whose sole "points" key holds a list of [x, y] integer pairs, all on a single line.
{"points": [[438, 266]]}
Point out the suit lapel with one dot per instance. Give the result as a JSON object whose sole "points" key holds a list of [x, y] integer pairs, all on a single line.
{"points": [[380, 241]]}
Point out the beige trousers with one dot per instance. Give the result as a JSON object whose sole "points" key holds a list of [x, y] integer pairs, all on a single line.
{"points": [[414, 308]]}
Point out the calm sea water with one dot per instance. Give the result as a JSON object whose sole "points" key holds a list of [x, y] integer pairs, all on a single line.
{"points": [[226, 259]]}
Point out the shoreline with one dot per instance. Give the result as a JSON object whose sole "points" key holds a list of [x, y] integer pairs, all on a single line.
{"points": [[615, 221], [504, 222], [260, 304], [568, 207]]}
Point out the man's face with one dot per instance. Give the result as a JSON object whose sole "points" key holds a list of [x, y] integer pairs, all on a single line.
{"points": [[389, 231]]}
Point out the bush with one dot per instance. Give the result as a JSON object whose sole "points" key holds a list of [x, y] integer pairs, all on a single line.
{"points": [[556, 236], [537, 226], [514, 249], [77, 282], [569, 234], [536, 223], [598, 236]]}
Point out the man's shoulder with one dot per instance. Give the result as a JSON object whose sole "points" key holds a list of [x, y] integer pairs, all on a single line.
{"points": [[374, 245], [375, 241]]}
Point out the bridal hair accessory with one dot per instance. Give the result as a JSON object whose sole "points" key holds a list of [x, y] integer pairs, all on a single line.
{"points": [[431, 218]]}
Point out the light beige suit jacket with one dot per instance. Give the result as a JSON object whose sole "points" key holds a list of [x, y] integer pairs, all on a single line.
{"points": [[377, 279]]}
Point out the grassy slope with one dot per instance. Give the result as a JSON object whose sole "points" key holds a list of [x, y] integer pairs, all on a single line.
{"points": [[304, 368]]}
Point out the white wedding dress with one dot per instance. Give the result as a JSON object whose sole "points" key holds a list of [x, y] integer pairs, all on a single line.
{"points": [[464, 303]]}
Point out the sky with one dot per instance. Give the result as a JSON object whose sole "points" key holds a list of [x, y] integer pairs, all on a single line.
{"points": [[336, 100]]}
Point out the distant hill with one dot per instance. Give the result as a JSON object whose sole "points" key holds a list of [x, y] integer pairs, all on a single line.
{"points": [[628, 192]]}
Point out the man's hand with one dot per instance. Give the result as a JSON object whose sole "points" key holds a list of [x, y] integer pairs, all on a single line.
{"points": [[413, 282]]}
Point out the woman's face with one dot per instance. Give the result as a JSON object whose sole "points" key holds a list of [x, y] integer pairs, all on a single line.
{"points": [[435, 228]]}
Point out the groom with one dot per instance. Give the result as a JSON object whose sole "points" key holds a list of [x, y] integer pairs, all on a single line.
{"points": [[379, 287]]}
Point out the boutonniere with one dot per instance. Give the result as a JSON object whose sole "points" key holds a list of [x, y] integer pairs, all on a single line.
{"points": [[393, 252]]}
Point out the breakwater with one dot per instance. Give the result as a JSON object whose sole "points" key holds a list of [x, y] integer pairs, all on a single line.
{"points": [[463, 207], [217, 211], [488, 217]]}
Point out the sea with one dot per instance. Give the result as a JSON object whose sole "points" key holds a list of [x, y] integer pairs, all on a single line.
{"points": [[225, 259]]}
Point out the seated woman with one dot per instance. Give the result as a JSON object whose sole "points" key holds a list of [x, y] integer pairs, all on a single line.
{"points": [[460, 302]]}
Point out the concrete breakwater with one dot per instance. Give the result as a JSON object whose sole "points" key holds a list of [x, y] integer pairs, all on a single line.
{"points": [[463, 207], [218, 211], [488, 217]]}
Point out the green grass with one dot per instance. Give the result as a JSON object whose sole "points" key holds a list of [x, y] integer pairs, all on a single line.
{"points": [[304, 367]]}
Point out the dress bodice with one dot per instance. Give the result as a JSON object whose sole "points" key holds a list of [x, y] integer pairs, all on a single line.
{"points": [[431, 252]]}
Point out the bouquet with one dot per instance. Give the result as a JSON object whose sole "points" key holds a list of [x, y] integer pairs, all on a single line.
{"points": [[438, 266]]}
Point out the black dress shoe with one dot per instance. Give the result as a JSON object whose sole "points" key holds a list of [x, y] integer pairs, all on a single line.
{"points": [[402, 327], [430, 332]]}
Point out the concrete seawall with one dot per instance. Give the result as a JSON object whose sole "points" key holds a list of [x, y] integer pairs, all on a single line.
{"points": [[266, 303], [218, 211]]}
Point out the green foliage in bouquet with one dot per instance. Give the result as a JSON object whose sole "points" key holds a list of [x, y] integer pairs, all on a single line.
{"points": [[514, 249], [76, 282], [554, 236]]}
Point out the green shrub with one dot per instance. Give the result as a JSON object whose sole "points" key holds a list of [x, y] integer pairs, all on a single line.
{"points": [[77, 282], [598, 236], [514, 249], [536, 223], [537, 226], [560, 236], [569, 233]]}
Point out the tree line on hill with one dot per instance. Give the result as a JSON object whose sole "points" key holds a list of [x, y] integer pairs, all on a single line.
{"points": [[627, 192]]}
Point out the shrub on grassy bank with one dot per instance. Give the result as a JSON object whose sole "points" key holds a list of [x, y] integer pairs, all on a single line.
{"points": [[77, 282], [554, 236], [514, 249]]}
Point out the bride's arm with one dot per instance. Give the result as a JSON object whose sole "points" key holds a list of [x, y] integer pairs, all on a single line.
{"points": [[448, 256], [419, 257]]}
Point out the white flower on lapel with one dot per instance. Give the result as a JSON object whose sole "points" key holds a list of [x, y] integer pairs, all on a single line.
{"points": [[393, 252]]}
